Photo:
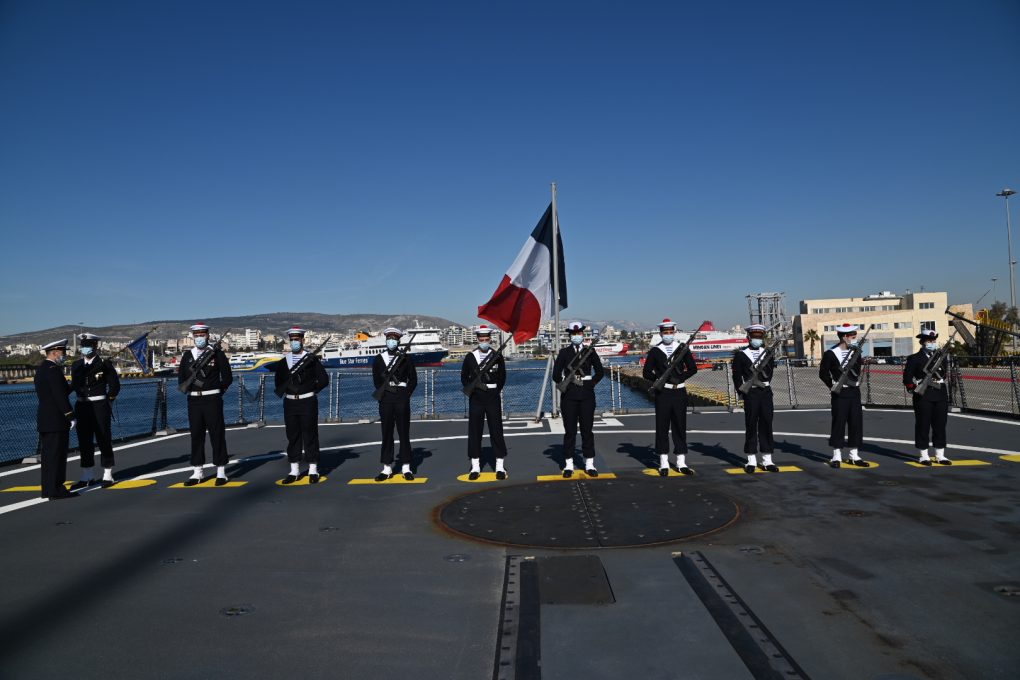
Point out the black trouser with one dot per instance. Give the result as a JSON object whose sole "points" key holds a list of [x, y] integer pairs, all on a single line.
{"points": [[94, 427], [847, 415], [930, 416], [53, 448], [484, 406], [671, 412], [758, 410], [205, 414], [301, 422], [396, 410], [578, 407]]}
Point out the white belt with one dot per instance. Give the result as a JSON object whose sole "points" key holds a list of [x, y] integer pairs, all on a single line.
{"points": [[299, 396], [491, 386], [203, 394], [763, 383], [938, 382], [399, 384], [101, 397], [671, 386]]}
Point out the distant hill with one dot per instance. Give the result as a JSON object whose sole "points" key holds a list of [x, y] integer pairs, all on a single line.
{"points": [[275, 323]]}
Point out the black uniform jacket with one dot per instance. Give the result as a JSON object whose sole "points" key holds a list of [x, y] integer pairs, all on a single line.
{"points": [[495, 373], [913, 373], [743, 368], [215, 375], [54, 413], [655, 365], [406, 372], [310, 377], [95, 379], [592, 366], [830, 370]]}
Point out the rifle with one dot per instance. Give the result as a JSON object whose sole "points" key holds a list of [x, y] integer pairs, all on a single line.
{"points": [[298, 367], [934, 364], [200, 363], [679, 354], [392, 370], [759, 366], [575, 366], [476, 383], [851, 360]]}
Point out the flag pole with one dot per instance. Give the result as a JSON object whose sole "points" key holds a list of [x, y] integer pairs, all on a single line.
{"points": [[556, 295]]}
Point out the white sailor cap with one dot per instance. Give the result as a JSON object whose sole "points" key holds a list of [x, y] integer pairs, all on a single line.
{"points": [[575, 327], [755, 327], [294, 330], [393, 331], [846, 328], [200, 328], [90, 338], [927, 335], [667, 324], [56, 344], [483, 330]]}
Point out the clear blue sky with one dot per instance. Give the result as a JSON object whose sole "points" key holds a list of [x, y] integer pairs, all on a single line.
{"points": [[196, 159]]}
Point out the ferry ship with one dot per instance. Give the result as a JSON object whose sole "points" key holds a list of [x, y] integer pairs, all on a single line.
{"points": [[611, 349], [426, 349], [253, 362], [711, 343]]}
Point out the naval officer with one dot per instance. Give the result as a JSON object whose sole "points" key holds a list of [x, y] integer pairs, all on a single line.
{"points": [[96, 384], [205, 402], [395, 405], [484, 402], [931, 410], [54, 419], [758, 404], [671, 401], [847, 412], [578, 401], [299, 377]]}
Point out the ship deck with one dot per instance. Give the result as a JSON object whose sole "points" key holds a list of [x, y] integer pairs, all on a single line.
{"points": [[890, 572]]}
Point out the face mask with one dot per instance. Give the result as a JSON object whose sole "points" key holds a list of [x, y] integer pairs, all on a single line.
{"points": [[86, 351], [852, 343], [757, 342], [484, 346], [295, 346], [60, 359], [577, 339], [930, 346], [201, 341], [391, 343], [667, 339]]}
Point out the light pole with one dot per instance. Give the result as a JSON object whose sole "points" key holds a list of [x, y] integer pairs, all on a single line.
{"points": [[1006, 193]]}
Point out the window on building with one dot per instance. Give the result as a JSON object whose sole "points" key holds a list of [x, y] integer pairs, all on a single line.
{"points": [[904, 325], [926, 305], [927, 325]]}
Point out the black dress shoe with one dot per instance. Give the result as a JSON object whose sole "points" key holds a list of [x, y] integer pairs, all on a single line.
{"points": [[409, 476], [63, 496], [926, 462], [220, 481], [313, 478], [107, 483], [382, 476], [81, 485], [290, 479], [591, 472], [859, 462], [501, 475], [749, 469], [943, 461], [686, 470], [664, 472], [772, 468], [834, 464], [567, 474], [192, 481], [474, 475]]}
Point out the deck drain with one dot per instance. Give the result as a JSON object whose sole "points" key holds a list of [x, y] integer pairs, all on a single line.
{"points": [[1007, 591], [329, 529], [751, 549], [239, 610], [457, 557], [854, 513], [888, 482], [63, 523]]}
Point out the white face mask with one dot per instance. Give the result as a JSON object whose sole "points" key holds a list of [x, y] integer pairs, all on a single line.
{"points": [[756, 342], [391, 343], [201, 341], [577, 339], [667, 339], [86, 351], [931, 346]]}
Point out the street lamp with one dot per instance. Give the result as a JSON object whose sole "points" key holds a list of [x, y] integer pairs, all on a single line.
{"points": [[1006, 193]]}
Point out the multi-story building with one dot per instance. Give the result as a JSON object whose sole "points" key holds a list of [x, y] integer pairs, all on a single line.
{"points": [[894, 319]]}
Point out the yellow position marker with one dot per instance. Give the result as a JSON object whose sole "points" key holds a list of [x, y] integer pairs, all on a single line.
{"points": [[483, 477], [956, 463], [303, 481], [208, 484], [578, 474], [133, 484], [395, 479], [1011, 458], [654, 472], [759, 471], [37, 489]]}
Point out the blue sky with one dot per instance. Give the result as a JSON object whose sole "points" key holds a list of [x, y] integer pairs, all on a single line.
{"points": [[194, 159]]}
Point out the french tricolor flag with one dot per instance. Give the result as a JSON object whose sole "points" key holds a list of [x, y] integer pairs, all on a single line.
{"points": [[524, 297]]}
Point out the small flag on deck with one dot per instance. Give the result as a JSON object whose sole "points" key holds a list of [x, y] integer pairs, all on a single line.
{"points": [[524, 298], [140, 351]]}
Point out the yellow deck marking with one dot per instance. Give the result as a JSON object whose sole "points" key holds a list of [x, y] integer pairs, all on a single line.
{"points": [[133, 484], [37, 488], [395, 479], [483, 477], [208, 484], [759, 471], [303, 481], [578, 474], [850, 466], [956, 463], [654, 472], [1011, 458]]}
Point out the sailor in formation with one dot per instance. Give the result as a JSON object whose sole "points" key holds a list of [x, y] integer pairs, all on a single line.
{"points": [[582, 368], [298, 378], [54, 419], [394, 371], [931, 410], [212, 374], [671, 401], [96, 384], [758, 405], [847, 412], [484, 369]]}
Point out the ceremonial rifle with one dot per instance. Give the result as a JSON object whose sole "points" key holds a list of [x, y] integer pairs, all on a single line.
{"points": [[933, 364], [574, 367], [852, 357], [759, 366], [299, 366], [392, 370], [477, 383], [200, 363], [679, 354]]}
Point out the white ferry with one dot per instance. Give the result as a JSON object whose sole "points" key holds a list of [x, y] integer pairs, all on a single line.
{"points": [[360, 351]]}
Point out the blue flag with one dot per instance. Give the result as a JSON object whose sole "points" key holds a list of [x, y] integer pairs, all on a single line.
{"points": [[140, 351]]}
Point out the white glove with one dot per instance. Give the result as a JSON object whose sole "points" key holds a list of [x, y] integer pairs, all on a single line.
{"points": [[74, 423]]}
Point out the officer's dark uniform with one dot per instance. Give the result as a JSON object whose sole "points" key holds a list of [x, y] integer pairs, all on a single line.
{"points": [[96, 385], [670, 402], [758, 404], [484, 403], [205, 404], [847, 412], [931, 411], [53, 421], [578, 401], [395, 405], [301, 405]]}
